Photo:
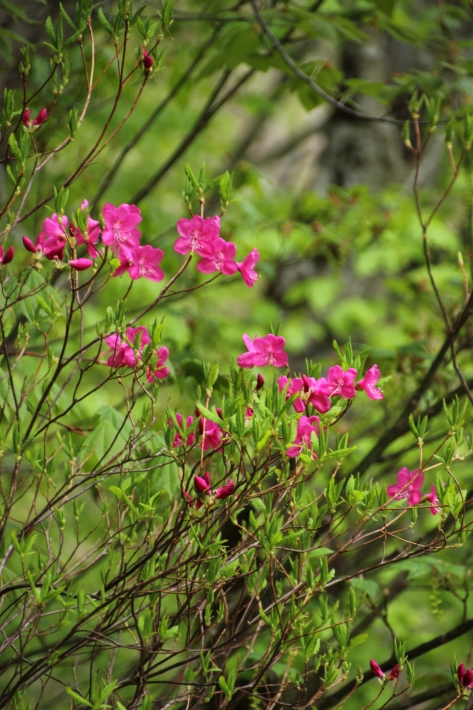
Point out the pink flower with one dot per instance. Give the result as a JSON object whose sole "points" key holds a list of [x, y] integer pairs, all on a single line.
{"points": [[212, 434], [123, 352], [224, 491], [376, 669], [408, 486], [296, 385], [190, 439], [160, 372], [218, 255], [394, 673], [318, 393], [41, 117], [341, 382], [368, 383], [26, 117], [263, 351], [6, 257], [246, 268], [81, 264], [141, 262], [306, 426], [195, 233], [120, 226], [53, 237], [432, 498]]}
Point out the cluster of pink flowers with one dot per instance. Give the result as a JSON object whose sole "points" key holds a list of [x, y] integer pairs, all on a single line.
{"points": [[202, 487], [123, 238], [408, 486], [393, 675], [120, 233], [56, 231], [127, 352], [338, 383], [202, 236], [210, 432]]}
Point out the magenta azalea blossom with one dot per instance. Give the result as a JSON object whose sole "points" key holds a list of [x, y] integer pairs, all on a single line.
{"points": [[218, 255], [296, 385], [141, 262], [123, 352], [432, 498], [341, 382], [120, 226], [160, 372], [211, 432], [196, 233], [246, 268], [408, 486], [368, 383], [53, 237], [306, 426], [263, 351], [318, 393]]}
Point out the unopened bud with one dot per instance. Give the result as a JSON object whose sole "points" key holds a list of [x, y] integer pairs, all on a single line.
{"points": [[8, 256], [41, 117], [26, 117], [28, 244], [148, 61]]}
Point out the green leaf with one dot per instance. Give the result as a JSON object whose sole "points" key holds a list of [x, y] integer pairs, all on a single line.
{"points": [[78, 697]]}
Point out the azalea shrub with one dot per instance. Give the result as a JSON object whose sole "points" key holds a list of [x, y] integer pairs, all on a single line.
{"points": [[185, 532]]}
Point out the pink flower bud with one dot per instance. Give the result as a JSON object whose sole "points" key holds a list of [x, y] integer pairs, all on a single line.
{"points": [[468, 679], [188, 498], [41, 117], [202, 483], [26, 117], [219, 412], [8, 256], [225, 490], [461, 672], [376, 669], [81, 264], [395, 672], [147, 60], [259, 381], [28, 244]]}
